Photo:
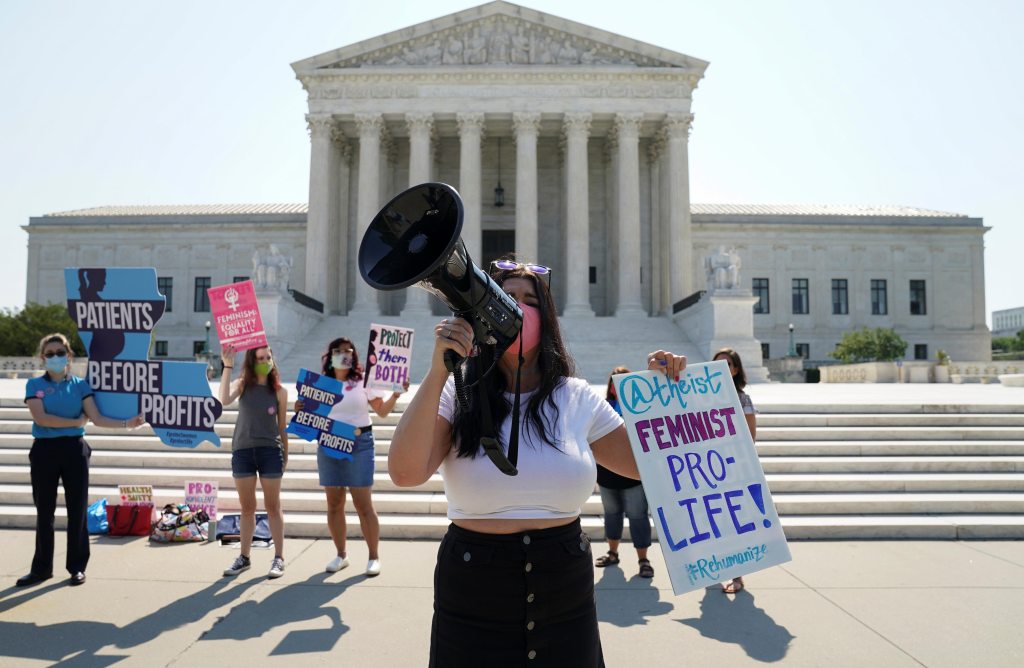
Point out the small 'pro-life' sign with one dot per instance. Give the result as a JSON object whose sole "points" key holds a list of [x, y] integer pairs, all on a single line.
{"points": [[319, 394], [236, 315], [388, 356], [704, 484]]}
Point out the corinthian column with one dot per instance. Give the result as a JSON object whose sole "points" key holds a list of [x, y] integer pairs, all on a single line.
{"points": [[338, 265], [627, 127], [322, 165], [526, 126], [680, 231], [420, 126], [369, 127], [577, 232], [471, 128]]}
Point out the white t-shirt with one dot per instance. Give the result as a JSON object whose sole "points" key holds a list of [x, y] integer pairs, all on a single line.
{"points": [[354, 407], [552, 483]]}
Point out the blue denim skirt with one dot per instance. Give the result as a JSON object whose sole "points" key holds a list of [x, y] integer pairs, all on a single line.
{"points": [[355, 472]]}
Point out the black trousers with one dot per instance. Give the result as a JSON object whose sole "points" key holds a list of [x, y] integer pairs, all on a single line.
{"points": [[523, 599], [65, 458]]}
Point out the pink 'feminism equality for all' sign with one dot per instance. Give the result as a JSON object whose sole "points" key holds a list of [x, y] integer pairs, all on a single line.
{"points": [[236, 315]]}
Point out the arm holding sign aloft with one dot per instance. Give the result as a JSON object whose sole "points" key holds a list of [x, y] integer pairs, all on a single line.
{"points": [[383, 407], [412, 458], [93, 412], [229, 391]]}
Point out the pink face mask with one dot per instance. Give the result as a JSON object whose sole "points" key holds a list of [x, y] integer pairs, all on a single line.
{"points": [[530, 333]]}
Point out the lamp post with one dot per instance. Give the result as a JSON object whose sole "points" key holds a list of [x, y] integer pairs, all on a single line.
{"points": [[206, 346], [206, 353], [792, 346]]}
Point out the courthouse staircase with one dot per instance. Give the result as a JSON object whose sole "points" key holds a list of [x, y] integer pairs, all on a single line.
{"points": [[907, 471]]}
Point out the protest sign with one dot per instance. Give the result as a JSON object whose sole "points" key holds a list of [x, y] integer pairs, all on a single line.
{"points": [[319, 394], [704, 484], [136, 495], [202, 496], [388, 356], [236, 315], [115, 311]]}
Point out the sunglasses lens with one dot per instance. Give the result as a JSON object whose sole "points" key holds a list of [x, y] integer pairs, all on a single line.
{"points": [[59, 353], [504, 264], [538, 268]]}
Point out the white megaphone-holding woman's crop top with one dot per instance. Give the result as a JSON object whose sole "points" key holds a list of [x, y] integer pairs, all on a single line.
{"points": [[552, 482]]}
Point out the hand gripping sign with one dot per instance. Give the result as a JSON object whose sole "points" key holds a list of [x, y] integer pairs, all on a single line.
{"points": [[319, 394], [704, 484], [116, 310]]}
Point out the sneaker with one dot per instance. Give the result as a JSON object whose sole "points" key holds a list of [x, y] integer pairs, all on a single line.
{"points": [[373, 567], [276, 568], [240, 564], [336, 564]]}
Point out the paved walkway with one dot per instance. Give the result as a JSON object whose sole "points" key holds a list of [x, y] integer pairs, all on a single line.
{"points": [[836, 604]]}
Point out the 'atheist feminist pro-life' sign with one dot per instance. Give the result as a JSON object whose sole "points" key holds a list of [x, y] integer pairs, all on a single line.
{"points": [[116, 310], [236, 314], [388, 356], [704, 484], [319, 394]]}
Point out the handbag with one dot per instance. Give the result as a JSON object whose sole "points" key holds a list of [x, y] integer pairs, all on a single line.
{"points": [[178, 524], [96, 517], [130, 520], [229, 530]]}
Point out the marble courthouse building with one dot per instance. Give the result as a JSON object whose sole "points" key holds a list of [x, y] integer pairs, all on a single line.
{"points": [[568, 145]]}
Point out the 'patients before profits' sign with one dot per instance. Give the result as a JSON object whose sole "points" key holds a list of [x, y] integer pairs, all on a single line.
{"points": [[236, 315], [704, 484]]}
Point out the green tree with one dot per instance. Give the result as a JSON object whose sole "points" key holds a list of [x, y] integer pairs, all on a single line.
{"points": [[870, 345], [20, 330]]}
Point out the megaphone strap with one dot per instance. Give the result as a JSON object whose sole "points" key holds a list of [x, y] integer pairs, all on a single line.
{"points": [[491, 446]]}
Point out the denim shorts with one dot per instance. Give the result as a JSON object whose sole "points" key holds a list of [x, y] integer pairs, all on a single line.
{"points": [[355, 472], [267, 461]]}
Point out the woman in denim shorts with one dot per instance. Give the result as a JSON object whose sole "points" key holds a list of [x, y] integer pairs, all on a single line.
{"points": [[341, 362], [259, 447]]}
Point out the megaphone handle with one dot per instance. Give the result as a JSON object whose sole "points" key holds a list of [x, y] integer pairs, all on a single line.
{"points": [[452, 360]]}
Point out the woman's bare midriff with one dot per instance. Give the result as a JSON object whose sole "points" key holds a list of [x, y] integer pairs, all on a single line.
{"points": [[511, 526]]}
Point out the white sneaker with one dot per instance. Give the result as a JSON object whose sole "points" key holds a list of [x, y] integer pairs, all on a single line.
{"points": [[276, 568], [336, 564], [373, 567]]}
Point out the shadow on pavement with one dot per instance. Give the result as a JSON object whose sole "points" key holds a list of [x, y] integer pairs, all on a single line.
{"points": [[633, 601], [735, 619], [293, 603]]}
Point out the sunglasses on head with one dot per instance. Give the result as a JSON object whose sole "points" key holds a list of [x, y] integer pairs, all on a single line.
{"points": [[509, 265], [55, 353]]}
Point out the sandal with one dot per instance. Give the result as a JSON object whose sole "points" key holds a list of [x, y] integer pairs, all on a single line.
{"points": [[734, 587], [646, 570], [609, 559]]}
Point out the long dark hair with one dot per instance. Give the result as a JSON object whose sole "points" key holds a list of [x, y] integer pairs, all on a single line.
{"points": [[355, 373], [554, 362], [249, 371], [740, 379], [608, 395]]}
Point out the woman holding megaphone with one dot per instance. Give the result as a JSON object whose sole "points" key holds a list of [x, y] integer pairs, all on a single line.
{"points": [[514, 579]]}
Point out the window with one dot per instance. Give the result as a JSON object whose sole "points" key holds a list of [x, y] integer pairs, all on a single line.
{"points": [[920, 351], [917, 298], [239, 279], [840, 297], [198, 347], [879, 297], [160, 349], [765, 351], [201, 300], [760, 287], [165, 286], [801, 296], [803, 350]]}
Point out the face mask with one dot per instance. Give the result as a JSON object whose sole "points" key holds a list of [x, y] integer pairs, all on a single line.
{"points": [[56, 364], [530, 333], [341, 361], [263, 368]]}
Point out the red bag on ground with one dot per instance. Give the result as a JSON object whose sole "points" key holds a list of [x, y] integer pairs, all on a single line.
{"points": [[130, 520]]}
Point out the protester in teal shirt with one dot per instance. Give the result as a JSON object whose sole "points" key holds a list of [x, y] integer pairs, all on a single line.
{"points": [[61, 404]]}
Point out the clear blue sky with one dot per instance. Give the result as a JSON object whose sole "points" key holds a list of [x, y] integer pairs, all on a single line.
{"points": [[868, 102]]}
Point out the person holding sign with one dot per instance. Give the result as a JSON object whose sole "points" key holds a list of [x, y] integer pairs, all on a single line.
{"points": [[623, 496], [259, 447], [61, 404], [341, 362], [739, 379], [514, 581]]}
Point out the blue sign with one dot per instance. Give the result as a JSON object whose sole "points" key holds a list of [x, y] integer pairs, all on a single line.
{"points": [[116, 310], [319, 395]]}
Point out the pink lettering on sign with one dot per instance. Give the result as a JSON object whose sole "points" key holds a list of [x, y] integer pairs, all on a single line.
{"points": [[236, 315]]}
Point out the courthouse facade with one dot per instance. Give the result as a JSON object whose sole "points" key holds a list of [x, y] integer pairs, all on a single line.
{"points": [[569, 146]]}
